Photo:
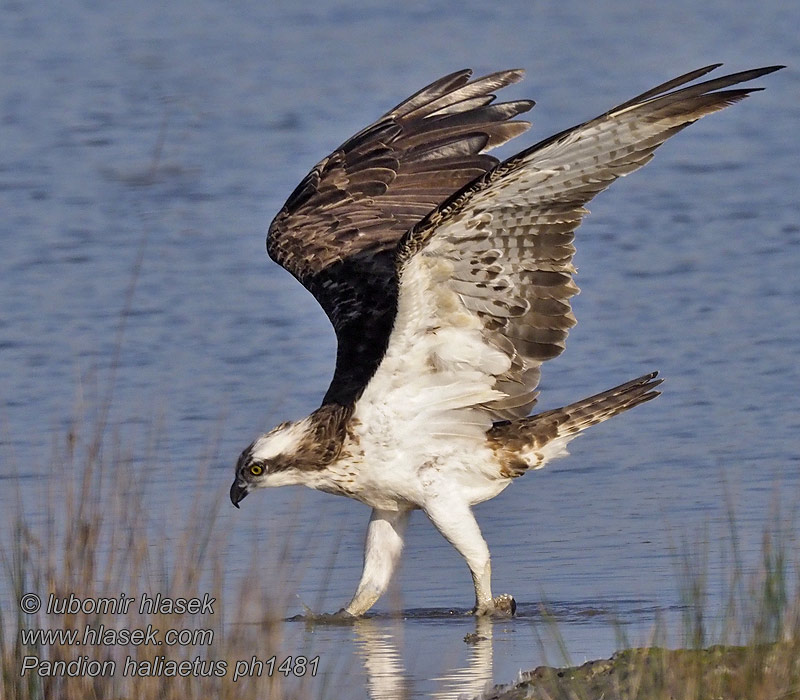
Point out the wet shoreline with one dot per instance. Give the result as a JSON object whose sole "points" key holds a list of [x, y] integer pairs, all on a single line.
{"points": [[755, 671]]}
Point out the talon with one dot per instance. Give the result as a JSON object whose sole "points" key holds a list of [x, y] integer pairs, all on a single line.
{"points": [[505, 605], [501, 606]]}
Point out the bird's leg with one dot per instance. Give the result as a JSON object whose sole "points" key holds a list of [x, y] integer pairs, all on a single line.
{"points": [[458, 525], [382, 548]]}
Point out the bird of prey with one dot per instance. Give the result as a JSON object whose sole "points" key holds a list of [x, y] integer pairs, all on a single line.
{"points": [[447, 276]]}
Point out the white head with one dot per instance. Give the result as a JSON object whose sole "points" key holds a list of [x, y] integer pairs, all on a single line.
{"points": [[276, 458]]}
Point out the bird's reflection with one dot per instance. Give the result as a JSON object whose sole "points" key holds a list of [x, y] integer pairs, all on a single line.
{"points": [[472, 679], [376, 644], [379, 642]]}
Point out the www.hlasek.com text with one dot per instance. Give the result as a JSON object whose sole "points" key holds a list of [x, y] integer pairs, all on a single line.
{"points": [[101, 635]]}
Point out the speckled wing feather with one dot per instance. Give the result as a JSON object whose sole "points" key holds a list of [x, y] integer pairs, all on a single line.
{"points": [[496, 258], [338, 231]]}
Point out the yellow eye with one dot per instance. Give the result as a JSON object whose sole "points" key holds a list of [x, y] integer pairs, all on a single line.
{"points": [[256, 469]]}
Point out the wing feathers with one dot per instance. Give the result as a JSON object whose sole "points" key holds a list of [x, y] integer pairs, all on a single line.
{"points": [[421, 247], [703, 88], [447, 84], [338, 230], [480, 88], [507, 238], [666, 87]]}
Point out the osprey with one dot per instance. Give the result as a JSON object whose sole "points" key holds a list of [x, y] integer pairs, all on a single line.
{"points": [[447, 276]]}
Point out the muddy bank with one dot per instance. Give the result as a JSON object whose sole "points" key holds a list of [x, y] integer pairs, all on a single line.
{"points": [[749, 673]]}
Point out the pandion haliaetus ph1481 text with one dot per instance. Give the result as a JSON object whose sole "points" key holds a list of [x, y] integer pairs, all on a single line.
{"points": [[447, 276]]}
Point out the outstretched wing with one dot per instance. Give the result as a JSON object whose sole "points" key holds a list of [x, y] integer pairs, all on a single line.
{"points": [[338, 231], [485, 281]]}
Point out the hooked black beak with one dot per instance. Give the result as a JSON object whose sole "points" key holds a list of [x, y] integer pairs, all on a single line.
{"points": [[238, 492]]}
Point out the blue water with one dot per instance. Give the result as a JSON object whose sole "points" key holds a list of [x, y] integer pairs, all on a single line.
{"points": [[171, 133]]}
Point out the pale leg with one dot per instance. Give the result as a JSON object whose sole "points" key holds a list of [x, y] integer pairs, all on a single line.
{"points": [[382, 548], [458, 525]]}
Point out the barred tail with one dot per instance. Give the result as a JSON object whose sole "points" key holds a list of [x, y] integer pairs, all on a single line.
{"points": [[531, 442]]}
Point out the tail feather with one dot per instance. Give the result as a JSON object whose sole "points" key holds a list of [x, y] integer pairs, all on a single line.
{"points": [[531, 442]]}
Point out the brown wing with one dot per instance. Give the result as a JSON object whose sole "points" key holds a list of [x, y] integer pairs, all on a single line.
{"points": [[338, 231], [499, 253]]}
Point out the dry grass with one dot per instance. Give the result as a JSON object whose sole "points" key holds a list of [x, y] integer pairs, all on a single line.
{"points": [[97, 535], [748, 650], [101, 537], [768, 672]]}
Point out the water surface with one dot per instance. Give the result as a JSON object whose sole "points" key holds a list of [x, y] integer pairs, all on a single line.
{"points": [[173, 133]]}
